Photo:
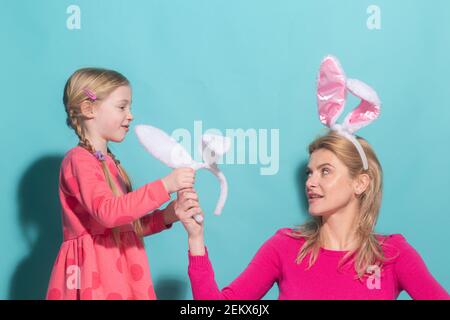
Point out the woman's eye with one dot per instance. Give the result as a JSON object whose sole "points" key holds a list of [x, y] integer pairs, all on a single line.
{"points": [[325, 171]]}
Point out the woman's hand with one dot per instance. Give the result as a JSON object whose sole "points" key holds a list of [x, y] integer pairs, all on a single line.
{"points": [[186, 207]]}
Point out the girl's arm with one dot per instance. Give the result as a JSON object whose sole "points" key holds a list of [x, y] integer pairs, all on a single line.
{"points": [[85, 180], [252, 284], [159, 220], [413, 275]]}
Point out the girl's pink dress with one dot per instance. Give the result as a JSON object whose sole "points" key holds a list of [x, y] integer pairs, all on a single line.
{"points": [[90, 265]]}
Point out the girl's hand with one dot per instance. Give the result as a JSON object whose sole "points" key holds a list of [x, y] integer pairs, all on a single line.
{"points": [[186, 207], [178, 179]]}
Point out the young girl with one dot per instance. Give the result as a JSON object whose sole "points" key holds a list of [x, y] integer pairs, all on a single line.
{"points": [[104, 221]]}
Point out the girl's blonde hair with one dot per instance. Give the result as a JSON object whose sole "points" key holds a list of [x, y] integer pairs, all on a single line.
{"points": [[101, 82], [369, 250]]}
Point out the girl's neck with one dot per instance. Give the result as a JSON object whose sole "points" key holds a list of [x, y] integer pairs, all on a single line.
{"points": [[98, 143]]}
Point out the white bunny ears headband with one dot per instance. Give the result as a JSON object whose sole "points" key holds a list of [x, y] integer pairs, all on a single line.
{"points": [[166, 149], [332, 87]]}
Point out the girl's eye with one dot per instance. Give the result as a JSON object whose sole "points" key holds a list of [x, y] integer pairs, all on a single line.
{"points": [[325, 171]]}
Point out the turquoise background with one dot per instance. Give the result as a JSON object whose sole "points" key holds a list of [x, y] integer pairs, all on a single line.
{"points": [[230, 64]]}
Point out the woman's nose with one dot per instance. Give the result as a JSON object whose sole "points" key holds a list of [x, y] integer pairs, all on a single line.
{"points": [[311, 182]]}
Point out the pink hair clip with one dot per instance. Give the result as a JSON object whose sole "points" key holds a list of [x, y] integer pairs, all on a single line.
{"points": [[90, 94]]}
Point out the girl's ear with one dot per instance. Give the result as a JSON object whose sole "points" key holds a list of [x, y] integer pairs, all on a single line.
{"points": [[87, 109]]}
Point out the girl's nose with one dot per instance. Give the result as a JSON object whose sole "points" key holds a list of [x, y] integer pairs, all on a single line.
{"points": [[130, 116]]}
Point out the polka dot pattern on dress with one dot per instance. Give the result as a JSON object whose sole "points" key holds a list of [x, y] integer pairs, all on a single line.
{"points": [[90, 264], [136, 272]]}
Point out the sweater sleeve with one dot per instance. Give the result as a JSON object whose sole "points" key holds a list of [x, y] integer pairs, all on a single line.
{"points": [[154, 223], [413, 275], [86, 182], [252, 284]]}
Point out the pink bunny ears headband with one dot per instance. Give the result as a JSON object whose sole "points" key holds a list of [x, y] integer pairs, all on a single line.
{"points": [[332, 87]]}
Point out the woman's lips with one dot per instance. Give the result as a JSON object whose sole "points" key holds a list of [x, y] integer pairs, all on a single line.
{"points": [[312, 200]]}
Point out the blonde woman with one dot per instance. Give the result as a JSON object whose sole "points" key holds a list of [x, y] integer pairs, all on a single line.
{"points": [[102, 255], [337, 255]]}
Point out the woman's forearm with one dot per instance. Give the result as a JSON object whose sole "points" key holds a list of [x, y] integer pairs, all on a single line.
{"points": [[196, 245]]}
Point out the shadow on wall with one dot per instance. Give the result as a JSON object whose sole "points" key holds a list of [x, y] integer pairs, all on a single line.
{"points": [[39, 217], [167, 288]]}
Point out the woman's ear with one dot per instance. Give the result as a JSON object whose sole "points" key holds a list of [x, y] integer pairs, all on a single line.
{"points": [[361, 183], [87, 109]]}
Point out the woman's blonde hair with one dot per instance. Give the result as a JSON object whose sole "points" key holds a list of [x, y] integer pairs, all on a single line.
{"points": [[101, 82], [369, 250]]}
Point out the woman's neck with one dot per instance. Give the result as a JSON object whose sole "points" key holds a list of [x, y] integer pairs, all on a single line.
{"points": [[338, 229]]}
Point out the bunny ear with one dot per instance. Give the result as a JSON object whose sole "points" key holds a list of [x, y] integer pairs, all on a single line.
{"points": [[163, 147], [368, 109], [331, 90], [214, 146]]}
